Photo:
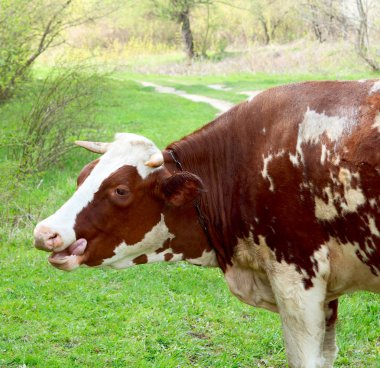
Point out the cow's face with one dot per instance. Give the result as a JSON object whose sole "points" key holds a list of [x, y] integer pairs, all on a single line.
{"points": [[115, 218]]}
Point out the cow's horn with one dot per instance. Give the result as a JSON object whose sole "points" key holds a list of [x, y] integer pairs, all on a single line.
{"points": [[156, 160], [97, 147]]}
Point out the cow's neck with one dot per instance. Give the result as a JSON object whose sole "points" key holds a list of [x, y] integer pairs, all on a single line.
{"points": [[213, 154]]}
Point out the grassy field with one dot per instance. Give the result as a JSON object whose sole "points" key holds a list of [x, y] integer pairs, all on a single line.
{"points": [[158, 315]]}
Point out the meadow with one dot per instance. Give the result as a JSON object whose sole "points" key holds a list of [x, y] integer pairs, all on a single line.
{"points": [[160, 315]]}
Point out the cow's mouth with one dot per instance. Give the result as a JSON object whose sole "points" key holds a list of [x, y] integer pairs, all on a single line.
{"points": [[69, 255]]}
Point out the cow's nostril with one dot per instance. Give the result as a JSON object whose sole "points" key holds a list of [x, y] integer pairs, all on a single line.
{"points": [[54, 240], [46, 239], [53, 236]]}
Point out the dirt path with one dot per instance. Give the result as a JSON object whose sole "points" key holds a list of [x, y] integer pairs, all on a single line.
{"points": [[220, 105], [250, 94]]}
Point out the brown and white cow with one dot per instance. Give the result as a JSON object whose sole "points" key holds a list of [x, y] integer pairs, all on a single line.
{"points": [[282, 193]]}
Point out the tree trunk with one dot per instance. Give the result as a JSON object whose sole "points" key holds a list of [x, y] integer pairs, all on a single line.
{"points": [[265, 29], [187, 35], [362, 41]]}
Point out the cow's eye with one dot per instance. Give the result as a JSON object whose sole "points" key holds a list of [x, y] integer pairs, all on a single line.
{"points": [[121, 191]]}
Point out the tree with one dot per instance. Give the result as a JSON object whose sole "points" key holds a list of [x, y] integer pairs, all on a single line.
{"points": [[270, 14], [29, 28], [179, 11], [354, 20], [363, 47]]}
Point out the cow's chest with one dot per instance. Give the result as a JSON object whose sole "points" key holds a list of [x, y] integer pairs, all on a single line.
{"points": [[251, 287], [247, 278]]}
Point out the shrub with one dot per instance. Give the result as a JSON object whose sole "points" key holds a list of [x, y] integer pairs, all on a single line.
{"points": [[62, 108]]}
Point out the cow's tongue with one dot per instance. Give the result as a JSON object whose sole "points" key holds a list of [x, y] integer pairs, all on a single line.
{"points": [[77, 248]]}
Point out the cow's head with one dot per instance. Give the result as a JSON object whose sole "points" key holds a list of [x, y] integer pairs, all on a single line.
{"points": [[116, 216]]}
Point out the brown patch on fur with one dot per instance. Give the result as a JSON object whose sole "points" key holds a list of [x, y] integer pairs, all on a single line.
{"points": [[168, 256], [140, 259], [86, 171]]}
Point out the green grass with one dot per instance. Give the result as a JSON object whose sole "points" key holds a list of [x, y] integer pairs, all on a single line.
{"points": [[159, 315], [235, 83]]}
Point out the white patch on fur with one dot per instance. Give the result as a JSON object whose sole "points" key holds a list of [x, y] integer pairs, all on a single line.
{"points": [[376, 122], [264, 171], [153, 240], [375, 88], [325, 153], [294, 159], [348, 272], [372, 226], [160, 257], [315, 124], [127, 149], [372, 202], [354, 197], [336, 161], [208, 258], [325, 211]]}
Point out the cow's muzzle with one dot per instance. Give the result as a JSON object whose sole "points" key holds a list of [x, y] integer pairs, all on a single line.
{"points": [[64, 257], [47, 239]]}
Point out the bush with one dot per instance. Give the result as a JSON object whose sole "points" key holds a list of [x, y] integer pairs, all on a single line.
{"points": [[62, 108], [15, 45]]}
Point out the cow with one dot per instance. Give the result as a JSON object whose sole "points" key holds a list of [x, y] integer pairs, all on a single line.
{"points": [[281, 193]]}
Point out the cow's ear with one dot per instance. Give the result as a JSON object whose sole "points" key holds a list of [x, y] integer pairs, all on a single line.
{"points": [[181, 188]]}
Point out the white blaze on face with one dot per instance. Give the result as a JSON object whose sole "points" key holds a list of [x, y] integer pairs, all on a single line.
{"points": [[153, 240], [127, 149]]}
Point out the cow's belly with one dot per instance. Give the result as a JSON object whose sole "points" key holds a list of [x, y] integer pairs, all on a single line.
{"points": [[348, 272], [248, 281]]}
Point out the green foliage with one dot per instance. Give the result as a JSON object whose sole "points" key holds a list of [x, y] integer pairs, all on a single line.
{"points": [[59, 108], [63, 108], [29, 28], [15, 44]]}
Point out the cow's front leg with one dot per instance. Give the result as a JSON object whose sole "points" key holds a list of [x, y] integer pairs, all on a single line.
{"points": [[302, 315]]}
